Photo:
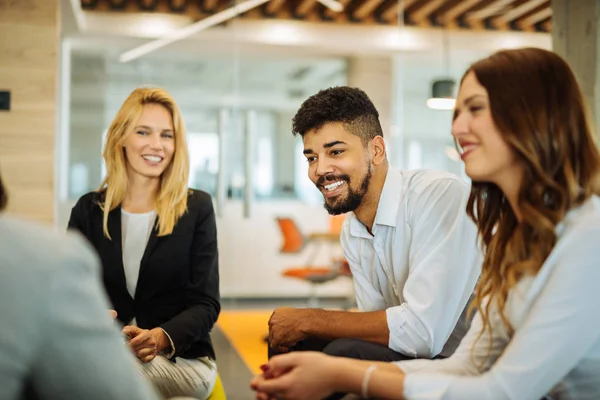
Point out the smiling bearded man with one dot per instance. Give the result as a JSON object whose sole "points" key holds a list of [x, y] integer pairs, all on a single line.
{"points": [[411, 247]]}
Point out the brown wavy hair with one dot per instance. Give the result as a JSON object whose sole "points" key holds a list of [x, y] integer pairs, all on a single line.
{"points": [[538, 107]]}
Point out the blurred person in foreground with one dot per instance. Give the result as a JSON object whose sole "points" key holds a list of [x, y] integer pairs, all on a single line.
{"points": [[57, 340]]}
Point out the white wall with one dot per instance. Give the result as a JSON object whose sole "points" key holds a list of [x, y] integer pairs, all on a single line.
{"points": [[250, 262]]}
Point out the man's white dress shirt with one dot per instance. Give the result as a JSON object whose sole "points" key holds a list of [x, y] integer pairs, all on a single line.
{"points": [[422, 262]]}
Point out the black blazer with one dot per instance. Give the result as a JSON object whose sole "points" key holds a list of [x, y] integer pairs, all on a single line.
{"points": [[178, 284]]}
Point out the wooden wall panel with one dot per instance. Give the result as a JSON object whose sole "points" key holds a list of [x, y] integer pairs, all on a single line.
{"points": [[29, 12], [575, 38], [29, 42]]}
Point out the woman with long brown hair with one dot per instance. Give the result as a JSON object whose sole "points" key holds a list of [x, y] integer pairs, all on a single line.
{"points": [[157, 240], [521, 127]]}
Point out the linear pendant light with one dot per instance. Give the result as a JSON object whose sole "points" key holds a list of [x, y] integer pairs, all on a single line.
{"points": [[333, 5], [205, 23]]}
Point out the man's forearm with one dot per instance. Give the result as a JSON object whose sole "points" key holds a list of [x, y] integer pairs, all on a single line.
{"points": [[330, 325]]}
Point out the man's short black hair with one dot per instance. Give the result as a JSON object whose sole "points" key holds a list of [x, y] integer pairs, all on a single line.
{"points": [[349, 106], [3, 196]]}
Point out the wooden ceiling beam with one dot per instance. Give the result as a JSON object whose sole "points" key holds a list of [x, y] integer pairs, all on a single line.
{"points": [[147, 3], [421, 15], [516, 12], [406, 4], [546, 25], [526, 15], [529, 22], [460, 8], [105, 5], [193, 11], [449, 16], [254, 13], [178, 3], [390, 16], [305, 7], [366, 9], [210, 4], [488, 11], [273, 6]]}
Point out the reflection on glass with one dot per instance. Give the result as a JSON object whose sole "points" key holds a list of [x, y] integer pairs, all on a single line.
{"points": [[303, 186], [79, 175], [433, 153], [204, 162], [264, 170]]}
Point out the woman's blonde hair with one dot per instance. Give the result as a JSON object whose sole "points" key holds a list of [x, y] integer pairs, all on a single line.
{"points": [[171, 200], [537, 106]]}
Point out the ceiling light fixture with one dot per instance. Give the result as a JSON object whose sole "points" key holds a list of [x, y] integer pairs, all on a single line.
{"points": [[442, 90], [192, 29], [79, 15], [442, 95], [333, 5]]}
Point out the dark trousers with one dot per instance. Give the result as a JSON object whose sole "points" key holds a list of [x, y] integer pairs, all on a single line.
{"points": [[349, 348]]}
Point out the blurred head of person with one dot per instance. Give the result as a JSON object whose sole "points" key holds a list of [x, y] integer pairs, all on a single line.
{"points": [[522, 129], [343, 144], [3, 196], [146, 143]]}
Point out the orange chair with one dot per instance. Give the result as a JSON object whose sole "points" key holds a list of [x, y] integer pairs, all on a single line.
{"points": [[293, 239], [294, 242], [312, 274]]}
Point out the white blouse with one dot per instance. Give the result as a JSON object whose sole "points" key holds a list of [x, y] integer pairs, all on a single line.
{"points": [[135, 232], [555, 347]]}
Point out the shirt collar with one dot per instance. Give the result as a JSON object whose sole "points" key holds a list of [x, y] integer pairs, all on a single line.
{"points": [[387, 209], [391, 194]]}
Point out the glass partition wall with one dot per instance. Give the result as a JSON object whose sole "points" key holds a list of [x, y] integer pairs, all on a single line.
{"points": [[238, 97], [238, 85]]}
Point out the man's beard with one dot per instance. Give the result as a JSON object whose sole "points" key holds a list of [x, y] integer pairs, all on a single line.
{"points": [[354, 197]]}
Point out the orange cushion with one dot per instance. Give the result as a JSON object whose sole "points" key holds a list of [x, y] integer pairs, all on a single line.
{"points": [[305, 272]]}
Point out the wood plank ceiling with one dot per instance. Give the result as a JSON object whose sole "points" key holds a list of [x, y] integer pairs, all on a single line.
{"points": [[516, 15]]}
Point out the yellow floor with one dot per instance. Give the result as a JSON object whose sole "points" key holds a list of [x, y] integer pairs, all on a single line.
{"points": [[245, 330]]}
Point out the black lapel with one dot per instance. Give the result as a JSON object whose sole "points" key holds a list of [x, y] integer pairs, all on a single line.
{"points": [[114, 228], [152, 240]]}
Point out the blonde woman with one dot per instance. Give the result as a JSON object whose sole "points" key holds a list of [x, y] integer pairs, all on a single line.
{"points": [[158, 244], [521, 127]]}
